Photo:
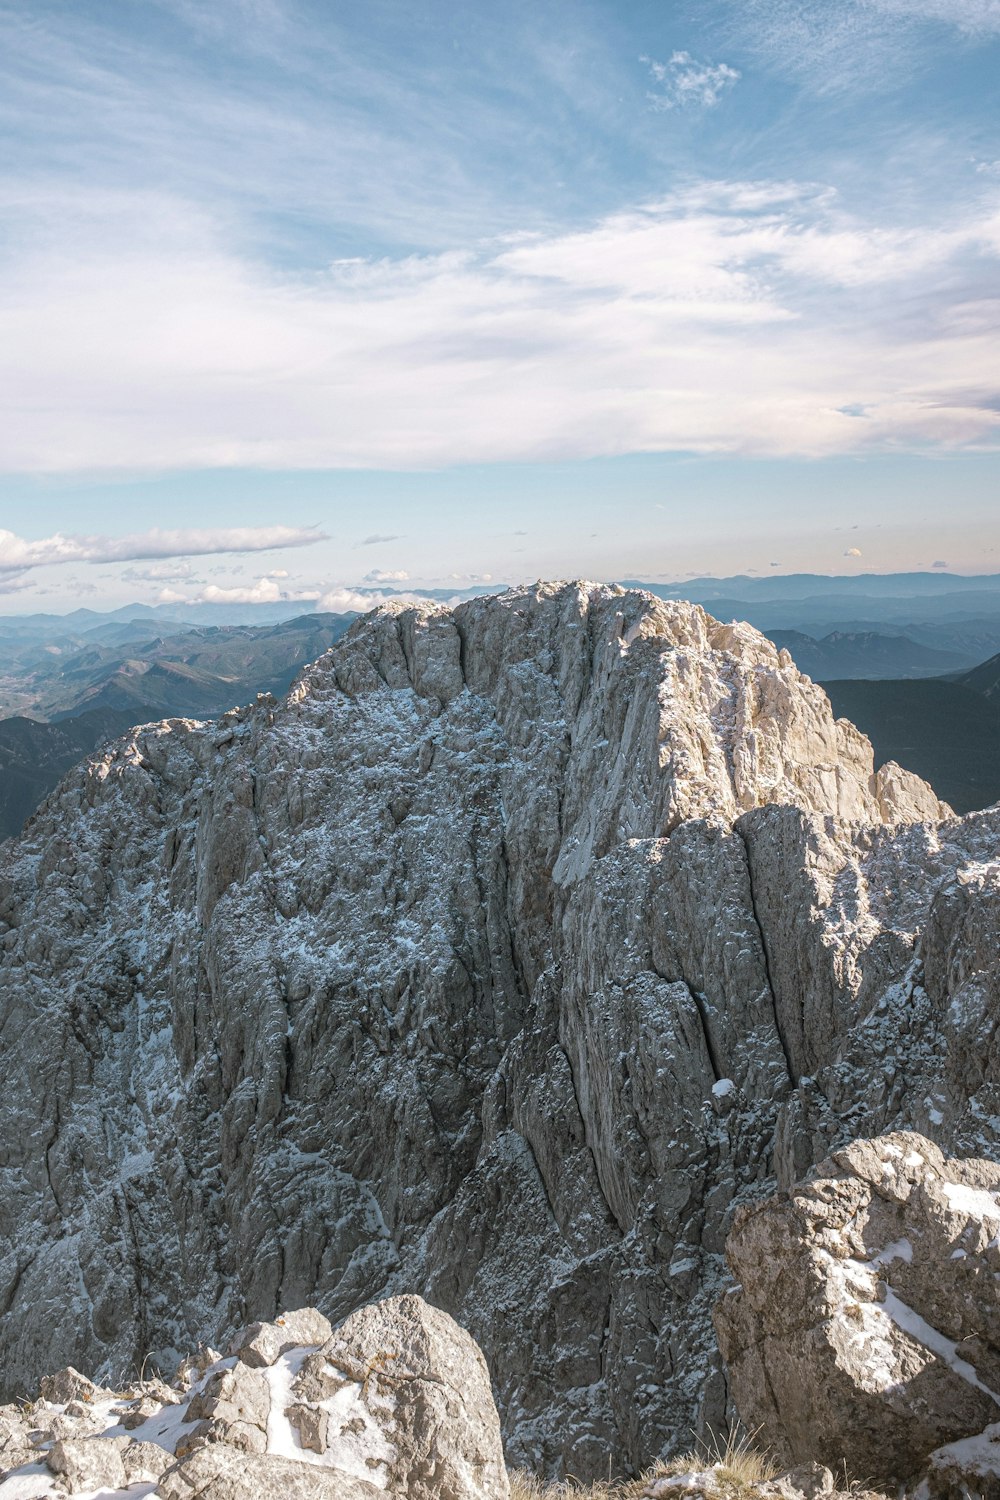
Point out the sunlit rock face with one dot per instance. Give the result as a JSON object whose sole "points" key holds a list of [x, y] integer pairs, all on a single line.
{"points": [[494, 963]]}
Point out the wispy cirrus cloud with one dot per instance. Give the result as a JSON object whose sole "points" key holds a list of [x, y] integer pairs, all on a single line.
{"points": [[19, 554], [855, 45], [974, 17], [684, 81]]}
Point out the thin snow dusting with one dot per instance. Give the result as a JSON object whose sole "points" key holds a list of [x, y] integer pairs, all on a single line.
{"points": [[27, 1483], [975, 1202], [169, 1424], [898, 1250], [131, 1492]]}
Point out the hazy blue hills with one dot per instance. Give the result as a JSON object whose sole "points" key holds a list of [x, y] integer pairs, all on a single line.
{"points": [[34, 757], [773, 586], [945, 730], [944, 611], [133, 668], [984, 679], [73, 690], [865, 653]]}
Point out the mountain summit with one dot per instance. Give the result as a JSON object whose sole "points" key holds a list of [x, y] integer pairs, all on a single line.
{"points": [[496, 962]]}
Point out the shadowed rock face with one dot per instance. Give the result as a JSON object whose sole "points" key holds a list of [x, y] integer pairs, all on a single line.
{"points": [[493, 963]]}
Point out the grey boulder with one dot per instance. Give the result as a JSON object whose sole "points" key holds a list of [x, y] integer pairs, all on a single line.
{"points": [[223, 1473], [423, 1412], [865, 1325]]}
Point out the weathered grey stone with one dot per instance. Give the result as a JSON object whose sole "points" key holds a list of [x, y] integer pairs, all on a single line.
{"points": [[865, 1326], [426, 1392], [89, 1463], [261, 1343], [423, 978], [15, 1441], [965, 1470], [145, 1461], [69, 1385], [222, 1473], [233, 1407], [812, 1480], [312, 1425]]}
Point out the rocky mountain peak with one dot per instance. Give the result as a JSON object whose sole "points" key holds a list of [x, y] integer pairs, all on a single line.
{"points": [[497, 963]]}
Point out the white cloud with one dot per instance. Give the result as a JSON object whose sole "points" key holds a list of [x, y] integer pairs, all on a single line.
{"points": [[18, 553], [685, 81], [265, 590], [975, 17], [383, 575], [853, 552], [376, 539], [735, 317], [344, 600]]}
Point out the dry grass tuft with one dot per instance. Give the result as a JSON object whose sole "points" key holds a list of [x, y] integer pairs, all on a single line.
{"points": [[736, 1463], [524, 1486], [736, 1466]]}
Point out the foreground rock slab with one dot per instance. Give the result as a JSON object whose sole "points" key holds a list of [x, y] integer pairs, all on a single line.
{"points": [[396, 1402], [865, 1325]]}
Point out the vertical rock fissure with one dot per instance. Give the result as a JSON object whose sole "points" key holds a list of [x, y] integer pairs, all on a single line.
{"points": [[765, 956]]}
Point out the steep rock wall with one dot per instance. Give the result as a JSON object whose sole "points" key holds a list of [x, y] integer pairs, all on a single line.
{"points": [[493, 963]]}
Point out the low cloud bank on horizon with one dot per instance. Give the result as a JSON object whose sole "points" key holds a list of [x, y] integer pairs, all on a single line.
{"points": [[19, 556], [750, 318]]}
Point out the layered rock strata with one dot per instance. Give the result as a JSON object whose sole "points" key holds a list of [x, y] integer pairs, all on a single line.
{"points": [[495, 962]]}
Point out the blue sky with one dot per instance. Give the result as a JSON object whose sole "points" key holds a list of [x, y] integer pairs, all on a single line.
{"points": [[583, 288]]}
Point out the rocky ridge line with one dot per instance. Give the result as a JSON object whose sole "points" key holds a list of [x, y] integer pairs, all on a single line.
{"points": [[495, 963]]}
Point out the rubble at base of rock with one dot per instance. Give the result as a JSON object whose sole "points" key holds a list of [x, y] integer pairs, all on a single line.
{"points": [[395, 1402]]}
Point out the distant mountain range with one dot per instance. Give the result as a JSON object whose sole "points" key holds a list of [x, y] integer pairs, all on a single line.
{"points": [[865, 653], [774, 587], [68, 691], [944, 611], [946, 730], [159, 669]]}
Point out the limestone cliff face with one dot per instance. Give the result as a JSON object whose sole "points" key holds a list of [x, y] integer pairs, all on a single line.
{"points": [[494, 963]]}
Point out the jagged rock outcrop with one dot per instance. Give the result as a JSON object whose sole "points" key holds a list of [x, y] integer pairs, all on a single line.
{"points": [[864, 1326], [494, 963], [395, 1402]]}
